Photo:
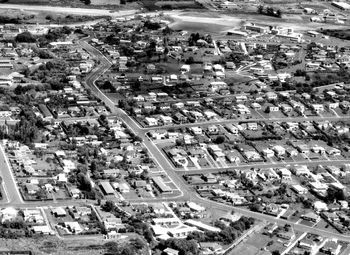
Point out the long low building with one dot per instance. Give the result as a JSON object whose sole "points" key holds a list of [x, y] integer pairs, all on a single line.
{"points": [[158, 182], [201, 226], [107, 188]]}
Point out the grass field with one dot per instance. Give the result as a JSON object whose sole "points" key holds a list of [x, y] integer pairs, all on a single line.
{"points": [[52, 245], [341, 34], [41, 17], [66, 3]]}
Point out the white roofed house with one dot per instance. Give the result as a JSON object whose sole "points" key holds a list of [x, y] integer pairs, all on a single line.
{"points": [[181, 232], [185, 68], [218, 68], [279, 150], [233, 157], [268, 153], [195, 207], [217, 85], [33, 216], [334, 152], [318, 108], [311, 216], [299, 189], [242, 109], [301, 170], [8, 214], [165, 120], [271, 95], [196, 130], [285, 174], [286, 108], [256, 106], [198, 116], [319, 188], [332, 247], [210, 115], [68, 165], [151, 121], [318, 149], [241, 98]]}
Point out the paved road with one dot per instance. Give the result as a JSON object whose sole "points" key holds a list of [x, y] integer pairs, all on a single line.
{"points": [[187, 192], [266, 165], [69, 10], [9, 184], [296, 119]]}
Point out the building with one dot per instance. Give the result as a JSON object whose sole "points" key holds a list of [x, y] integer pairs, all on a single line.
{"points": [[106, 188], [306, 244], [181, 232], [310, 216], [299, 189], [45, 112], [201, 226], [256, 28], [159, 183], [43, 230], [169, 251], [331, 247]]}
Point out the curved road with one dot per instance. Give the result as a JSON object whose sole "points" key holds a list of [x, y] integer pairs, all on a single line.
{"points": [[69, 10]]}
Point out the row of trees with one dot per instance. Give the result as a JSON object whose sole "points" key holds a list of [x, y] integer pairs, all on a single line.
{"points": [[133, 247], [269, 11]]}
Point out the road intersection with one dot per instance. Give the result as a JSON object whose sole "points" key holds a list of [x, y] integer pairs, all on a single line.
{"points": [[188, 193]]}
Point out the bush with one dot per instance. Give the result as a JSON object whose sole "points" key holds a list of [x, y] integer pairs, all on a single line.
{"points": [[25, 37]]}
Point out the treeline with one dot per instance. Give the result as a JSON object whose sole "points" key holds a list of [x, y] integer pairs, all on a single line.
{"points": [[341, 34], [8, 20], [133, 247], [269, 11], [53, 35], [227, 235], [26, 131]]}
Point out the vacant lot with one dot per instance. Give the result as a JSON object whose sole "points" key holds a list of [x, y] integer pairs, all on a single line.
{"points": [[62, 2], [41, 17]]}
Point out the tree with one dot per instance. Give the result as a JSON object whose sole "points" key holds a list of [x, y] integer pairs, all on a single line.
{"points": [[87, 2], [25, 37], [278, 14], [260, 9], [137, 243], [190, 60], [334, 194], [167, 30], [184, 246], [108, 206], [254, 207], [219, 139], [276, 252], [83, 182], [270, 11], [307, 203]]}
